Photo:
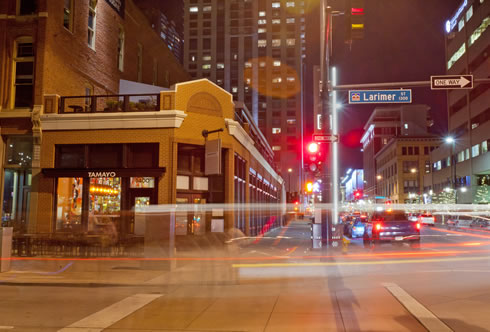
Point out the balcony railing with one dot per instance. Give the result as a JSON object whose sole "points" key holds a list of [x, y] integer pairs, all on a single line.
{"points": [[110, 103]]}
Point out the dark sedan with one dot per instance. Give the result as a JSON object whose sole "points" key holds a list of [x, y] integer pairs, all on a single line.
{"points": [[391, 226]]}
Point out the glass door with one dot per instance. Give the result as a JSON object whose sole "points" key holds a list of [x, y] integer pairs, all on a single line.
{"points": [[192, 219], [139, 200]]}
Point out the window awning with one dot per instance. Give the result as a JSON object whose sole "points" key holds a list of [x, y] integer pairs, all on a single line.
{"points": [[103, 173]]}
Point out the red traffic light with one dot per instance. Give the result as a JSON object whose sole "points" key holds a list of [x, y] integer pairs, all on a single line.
{"points": [[313, 147]]}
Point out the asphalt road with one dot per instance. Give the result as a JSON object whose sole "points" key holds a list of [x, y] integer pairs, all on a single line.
{"points": [[278, 283]]}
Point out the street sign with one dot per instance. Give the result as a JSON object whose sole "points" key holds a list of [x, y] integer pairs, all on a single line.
{"points": [[326, 138], [451, 82], [380, 96]]}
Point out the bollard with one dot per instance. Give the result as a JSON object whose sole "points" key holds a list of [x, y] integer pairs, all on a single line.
{"points": [[5, 248]]}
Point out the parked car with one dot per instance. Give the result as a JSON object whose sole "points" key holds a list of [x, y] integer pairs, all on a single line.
{"points": [[459, 220], [391, 226], [355, 228], [427, 219], [480, 222]]}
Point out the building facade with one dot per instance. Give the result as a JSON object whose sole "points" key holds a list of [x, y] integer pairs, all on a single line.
{"points": [[255, 50], [384, 124], [401, 166], [463, 165], [101, 168], [56, 47], [353, 182]]}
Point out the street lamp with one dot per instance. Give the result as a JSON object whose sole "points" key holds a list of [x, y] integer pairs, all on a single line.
{"points": [[451, 140], [413, 170], [379, 177]]}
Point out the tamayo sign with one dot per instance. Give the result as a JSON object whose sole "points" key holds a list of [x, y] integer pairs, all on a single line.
{"points": [[102, 174], [117, 5]]}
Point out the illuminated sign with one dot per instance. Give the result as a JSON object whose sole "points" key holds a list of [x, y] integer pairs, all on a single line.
{"points": [[454, 20], [117, 5]]}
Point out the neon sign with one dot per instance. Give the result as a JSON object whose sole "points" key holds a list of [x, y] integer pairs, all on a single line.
{"points": [[450, 24]]}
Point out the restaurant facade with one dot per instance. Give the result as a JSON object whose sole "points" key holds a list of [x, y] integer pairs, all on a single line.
{"points": [[100, 166]]}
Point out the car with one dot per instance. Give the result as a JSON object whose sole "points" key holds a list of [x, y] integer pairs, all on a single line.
{"points": [[459, 220], [427, 219], [480, 222], [391, 226], [413, 217], [356, 228]]}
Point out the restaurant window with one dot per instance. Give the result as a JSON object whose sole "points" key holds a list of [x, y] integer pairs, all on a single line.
{"points": [[24, 73], [27, 7], [69, 204], [105, 156], [68, 14], [70, 156], [92, 12], [142, 182], [104, 205]]}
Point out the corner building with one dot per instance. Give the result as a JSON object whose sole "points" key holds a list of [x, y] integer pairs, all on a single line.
{"points": [[254, 49], [98, 168], [464, 166], [65, 47]]}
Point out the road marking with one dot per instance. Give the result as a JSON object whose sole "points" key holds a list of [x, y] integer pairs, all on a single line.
{"points": [[423, 315], [112, 314], [292, 250], [404, 261]]}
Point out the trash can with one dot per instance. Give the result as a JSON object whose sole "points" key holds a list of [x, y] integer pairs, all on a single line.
{"points": [[5, 248]]}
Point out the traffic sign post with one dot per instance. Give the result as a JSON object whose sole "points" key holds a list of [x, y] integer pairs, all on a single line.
{"points": [[451, 82], [326, 138], [380, 96]]}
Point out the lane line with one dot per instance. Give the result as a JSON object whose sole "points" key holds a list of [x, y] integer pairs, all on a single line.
{"points": [[405, 261], [111, 314], [292, 250], [480, 236], [421, 313]]}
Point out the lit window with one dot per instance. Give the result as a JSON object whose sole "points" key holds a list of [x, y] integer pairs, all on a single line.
{"points": [[405, 126], [194, 9], [276, 21], [262, 30], [276, 5], [456, 56], [206, 57], [262, 21], [206, 8], [206, 66], [276, 148], [290, 79], [276, 130], [262, 64], [220, 66], [276, 80], [460, 156], [461, 24], [291, 121], [277, 63], [475, 150], [479, 31], [262, 14], [469, 13], [234, 89], [290, 4], [290, 41], [276, 42], [248, 64], [91, 22], [262, 43], [68, 15], [484, 146], [290, 20], [467, 154], [248, 81]]}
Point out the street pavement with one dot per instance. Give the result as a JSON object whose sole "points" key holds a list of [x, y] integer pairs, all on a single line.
{"points": [[274, 282]]}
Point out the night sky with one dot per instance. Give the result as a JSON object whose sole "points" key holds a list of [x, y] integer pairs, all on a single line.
{"points": [[404, 41]]}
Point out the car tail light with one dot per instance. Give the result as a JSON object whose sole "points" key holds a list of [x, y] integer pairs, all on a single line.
{"points": [[378, 227], [417, 225], [434, 219]]}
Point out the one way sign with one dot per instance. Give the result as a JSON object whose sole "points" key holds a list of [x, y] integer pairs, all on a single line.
{"points": [[451, 82]]}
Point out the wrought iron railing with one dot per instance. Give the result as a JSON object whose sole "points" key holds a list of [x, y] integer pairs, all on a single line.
{"points": [[110, 103]]}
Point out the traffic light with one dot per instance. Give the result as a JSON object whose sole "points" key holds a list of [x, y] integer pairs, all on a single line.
{"points": [[314, 156], [358, 194], [355, 19], [309, 186]]}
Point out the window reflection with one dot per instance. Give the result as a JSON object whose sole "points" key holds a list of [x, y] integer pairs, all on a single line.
{"points": [[69, 204]]}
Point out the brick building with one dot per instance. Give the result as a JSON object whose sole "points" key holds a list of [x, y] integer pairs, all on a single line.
{"points": [[65, 47], [85, 183]]}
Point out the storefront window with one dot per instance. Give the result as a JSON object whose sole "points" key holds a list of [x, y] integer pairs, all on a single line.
{"points": [[142, 182], [104, 205], [69, 204]]}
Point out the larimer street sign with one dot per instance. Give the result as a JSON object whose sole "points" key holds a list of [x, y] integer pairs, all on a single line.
{"points": [[451, 82], [380, 96]]}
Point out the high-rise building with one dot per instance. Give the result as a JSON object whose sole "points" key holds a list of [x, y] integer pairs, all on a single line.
{"points": [[383, 124], [166, 18], [463, 163], [255, 50]]}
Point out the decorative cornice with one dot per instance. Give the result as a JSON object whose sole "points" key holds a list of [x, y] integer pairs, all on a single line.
{"points": [[130, 120]]}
